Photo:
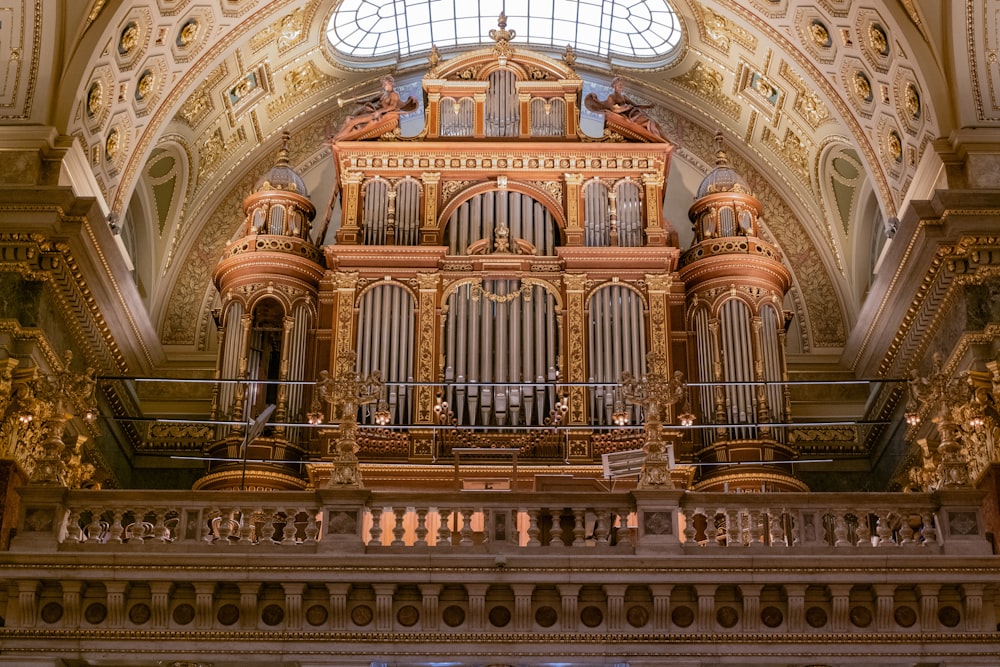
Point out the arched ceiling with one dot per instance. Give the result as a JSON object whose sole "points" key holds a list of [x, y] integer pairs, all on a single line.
{"points": [[179, 105]]}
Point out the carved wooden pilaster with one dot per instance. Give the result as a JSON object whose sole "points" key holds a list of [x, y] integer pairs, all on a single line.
{"points": [[658, 289], [655, 235], [432, 189], [344, 319], [576, 351], [479, 121], [574, 206], [350, 230], [433, 115], [427, 321], [571, 114]]}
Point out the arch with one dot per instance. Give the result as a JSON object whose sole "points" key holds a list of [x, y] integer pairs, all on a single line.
{"points": [[617, 342], [552, 205]]}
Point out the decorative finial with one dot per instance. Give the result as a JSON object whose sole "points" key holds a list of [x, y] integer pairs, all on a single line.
{"points": [[721, 159], [569, 57], [286, 142], [434, 58], [502, 38]]}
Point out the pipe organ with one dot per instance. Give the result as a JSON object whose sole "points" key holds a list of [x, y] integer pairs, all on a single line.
{"points": [[503, 288], [735, 284]]}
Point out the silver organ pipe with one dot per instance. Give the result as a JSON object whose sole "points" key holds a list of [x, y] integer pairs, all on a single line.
{"points": [[737, 366], [407, 212], [706, 347], [597, 215], [629, 214], [727, 222], [476, 218], [385, 343], [234, 344], [502, 108], [457, 116], [616, 337], [548, 117], [276, 220], [500, 349], [301, 328], [376, 211], [771, 355]]}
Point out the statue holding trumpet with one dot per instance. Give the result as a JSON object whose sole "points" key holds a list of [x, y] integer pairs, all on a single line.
{"points": [[373, 110]]}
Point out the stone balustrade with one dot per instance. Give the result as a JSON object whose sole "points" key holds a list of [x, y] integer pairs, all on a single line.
{"points": [[497, 521]]}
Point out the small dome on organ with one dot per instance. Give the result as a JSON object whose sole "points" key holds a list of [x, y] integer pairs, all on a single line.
{"points": [[281, 176], [723, 178]]}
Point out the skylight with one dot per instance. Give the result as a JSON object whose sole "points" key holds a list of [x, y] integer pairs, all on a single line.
{"points": [[640, 29]]}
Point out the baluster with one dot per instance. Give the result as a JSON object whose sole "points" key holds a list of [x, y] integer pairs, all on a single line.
{"points": [[533, 530], [927, 529], [755, 528], [689, 530], [733, 531], [555, 534], [247, 528], [312, 527], [713, 536], [444, 530], [94, 527], [864, 532], [840, 531], [160, 531], [579, 527], [777, 530], [905, 530], [624, 535], [116, 529], [73, 530], [421, 527], [376, 531], [225, 525], [398, 532], [601, 528], [884, 530], [267, 527], [288, 534], [466, 531]]}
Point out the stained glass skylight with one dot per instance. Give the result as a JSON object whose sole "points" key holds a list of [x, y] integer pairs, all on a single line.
{"points": [[640, 29]]}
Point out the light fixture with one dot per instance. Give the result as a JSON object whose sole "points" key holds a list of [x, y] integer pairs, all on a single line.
{"points": [[382, 414]]}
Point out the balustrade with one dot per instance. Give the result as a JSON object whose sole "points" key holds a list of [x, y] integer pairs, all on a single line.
{"points": [[499, 521]]}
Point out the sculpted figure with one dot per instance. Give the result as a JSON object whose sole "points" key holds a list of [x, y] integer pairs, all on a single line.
{"points": [[627, 110], [374, 109]]}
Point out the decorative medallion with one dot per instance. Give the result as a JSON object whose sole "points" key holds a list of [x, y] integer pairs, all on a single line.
{"points": [[911, 101], [637, 616], [144, 86], [228, 614], [95, 99], [905, 616], [861, 616], [863, 87], [727, 616], [139, 613], [816, 617], [408, 616], [820, 34], [894, 146], [591, 616], [682, 616], [183, 614], [453, 616], [188, 32], [316, 615], [499, 616], [96, 613], [272, 614], [128, 39], [112, 143], [878, 40], [771, 617], [52, 612], [546, 616], [949, 616], [362, 615]]}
